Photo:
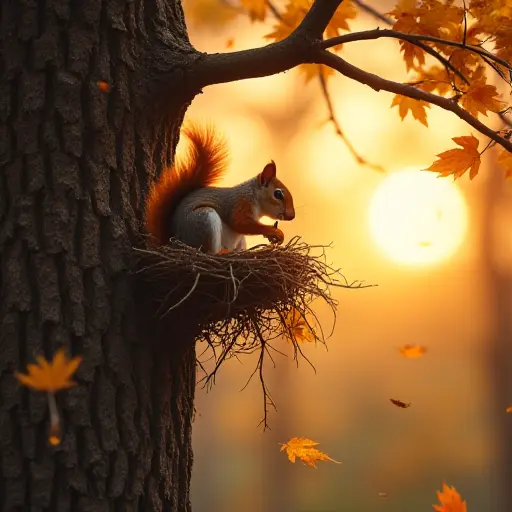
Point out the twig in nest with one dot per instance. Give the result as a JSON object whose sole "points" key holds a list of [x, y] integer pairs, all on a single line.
{"points": [[239, 301]]}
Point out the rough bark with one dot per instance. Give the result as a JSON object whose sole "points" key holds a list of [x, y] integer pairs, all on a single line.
{"points": [[75, 162]]}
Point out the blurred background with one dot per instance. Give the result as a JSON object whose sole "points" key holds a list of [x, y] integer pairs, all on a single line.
{"points": [[441, 255]]}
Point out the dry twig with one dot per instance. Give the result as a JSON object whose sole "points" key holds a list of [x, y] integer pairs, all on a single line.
{"points": [[241, 300]]}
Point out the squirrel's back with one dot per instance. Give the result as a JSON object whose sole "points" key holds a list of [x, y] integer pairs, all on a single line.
{"points": [[204, 164]]}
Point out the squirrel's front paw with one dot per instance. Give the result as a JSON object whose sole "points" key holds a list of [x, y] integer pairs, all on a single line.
{"points": [[277, 237]]}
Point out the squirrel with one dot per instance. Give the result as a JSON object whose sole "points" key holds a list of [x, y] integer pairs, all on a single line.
{"points": [[183, 204]]}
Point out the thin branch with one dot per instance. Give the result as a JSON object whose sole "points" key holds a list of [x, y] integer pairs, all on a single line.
{"points": [[377, 33], [378, 83], [332, 117]]}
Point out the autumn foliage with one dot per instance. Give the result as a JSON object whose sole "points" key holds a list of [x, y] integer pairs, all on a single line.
{"points": [[452, 50]]}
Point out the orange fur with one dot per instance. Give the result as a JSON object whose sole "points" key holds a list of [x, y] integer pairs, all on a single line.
{"points": [[203, 166]]}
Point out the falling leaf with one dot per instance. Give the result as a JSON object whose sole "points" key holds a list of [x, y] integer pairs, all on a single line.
{"points": [[425, 243], [50, 376], [416, 107], [509, 408], [230, 43], [304, 449], [297, 328], [412, 351], [103, 86], [383, 495], [399, 403], [457, 161], [450, 500]]}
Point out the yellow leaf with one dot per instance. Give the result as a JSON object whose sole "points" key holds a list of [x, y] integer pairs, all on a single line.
{"points": [[52, 376], [257, 9], [303, 448], [297, 329], [457, 161], [450, 500], [412, 351], [416, 107]]}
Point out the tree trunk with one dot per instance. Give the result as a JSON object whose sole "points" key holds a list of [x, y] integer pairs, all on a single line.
{"points": [[75, 163]]}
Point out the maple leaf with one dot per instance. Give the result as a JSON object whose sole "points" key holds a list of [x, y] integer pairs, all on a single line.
{"points": [[509, 408], [50, 376], [412, 351], [480, 97], [297, 329], [416, 107], [257, 9], [450, 500], [304, 449], [505, 160], [457, 161]]}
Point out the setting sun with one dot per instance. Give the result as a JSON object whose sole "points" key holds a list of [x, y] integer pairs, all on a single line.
{"points": [[417, 218]]}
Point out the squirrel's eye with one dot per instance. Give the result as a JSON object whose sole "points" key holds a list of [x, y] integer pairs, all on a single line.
{"points": [[278, 194]]}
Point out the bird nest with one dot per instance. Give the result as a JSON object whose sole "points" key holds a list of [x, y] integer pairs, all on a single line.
{"points": [[240, 302]]}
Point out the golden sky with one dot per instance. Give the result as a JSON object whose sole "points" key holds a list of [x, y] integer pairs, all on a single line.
{"points": [[345, 406]]}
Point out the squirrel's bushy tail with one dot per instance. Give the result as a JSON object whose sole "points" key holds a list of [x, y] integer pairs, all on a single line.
{"points": [[203, 165]]}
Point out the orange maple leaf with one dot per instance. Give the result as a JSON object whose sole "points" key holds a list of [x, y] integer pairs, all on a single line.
{"points": [[457, 161], [450, 500], [304, 449], [412, 351], [509, 408], [50, 376], [416, 107], [479, 97], [297, 328]]}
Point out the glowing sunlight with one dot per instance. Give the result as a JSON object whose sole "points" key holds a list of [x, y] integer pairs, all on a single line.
{"points": [[417, 218]]}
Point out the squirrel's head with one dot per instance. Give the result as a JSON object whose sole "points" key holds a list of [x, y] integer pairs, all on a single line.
{"points": [[275, 199]]}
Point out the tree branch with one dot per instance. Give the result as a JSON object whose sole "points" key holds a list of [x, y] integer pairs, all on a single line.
{"points": [[377, 83], [274, 58], [332, 117], [317, 19], [377, 33]]}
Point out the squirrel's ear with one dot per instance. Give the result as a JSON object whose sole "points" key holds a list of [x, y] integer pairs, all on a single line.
{"points": [[268, 174]]}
